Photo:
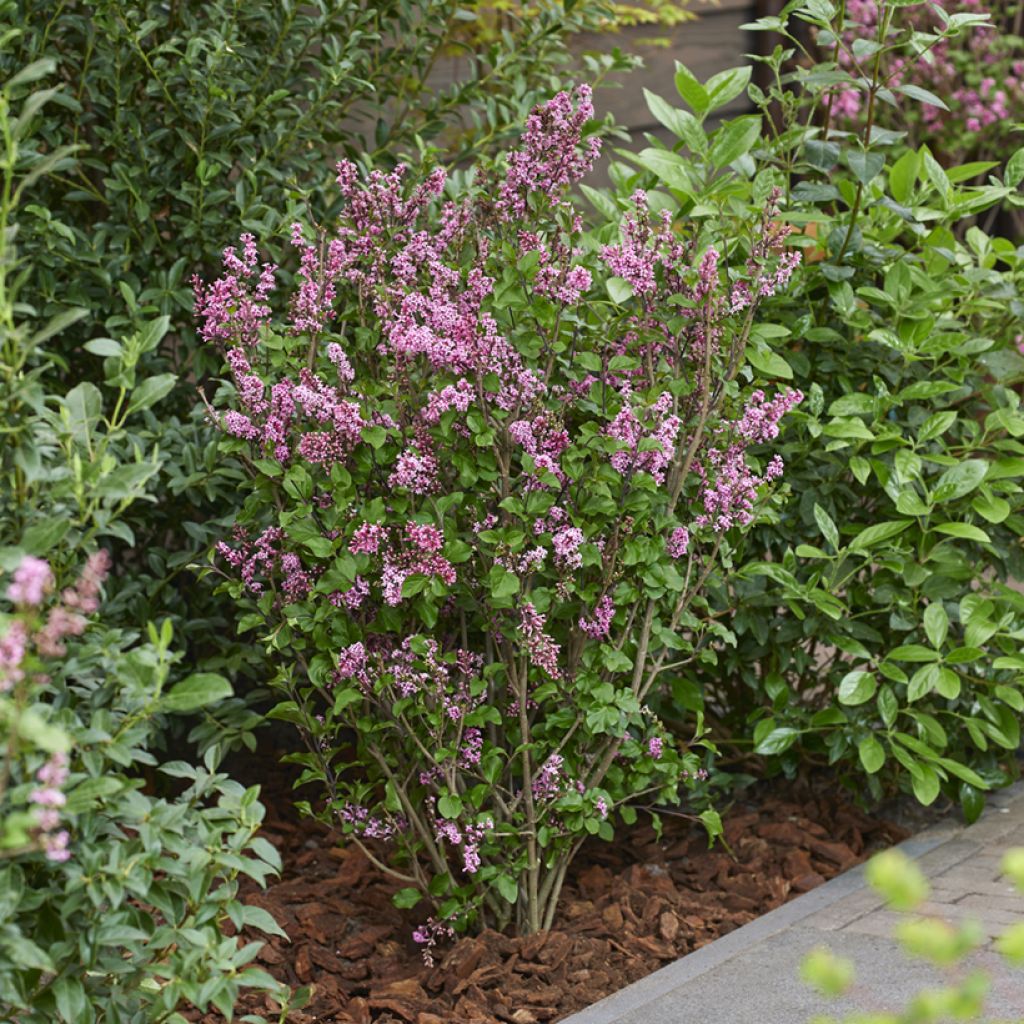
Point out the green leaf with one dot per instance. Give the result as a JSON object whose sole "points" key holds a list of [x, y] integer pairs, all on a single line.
{"points": [[375, 437], [959, 480], [902, 176], [150, 391], [936, 425], [503, 583], [619, 290], [857, 687], [888, 706], [508, 888], [90, 792], [406, 898], [104, 347], [670, 168], [734, 139], [947, 683], [725, 86], [196, 691], [712, 822], [936, 624], [679, 122], [972, 802], [923, 681], [450, 806], [34, 728], [991, 507], [964, 531], [43, 536], [917, 93], [925, 784], [691, 91], [84, 406], [827, 526], [866, 166], [848, 427], [1015, 169], [871, 536], [23, 952], [257, 917], [72, 1004], [777, 741], [871, 754], [963, 772], [913, 653], [770, 363]]}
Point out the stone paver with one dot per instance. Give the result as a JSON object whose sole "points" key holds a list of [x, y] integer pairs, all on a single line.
{"points": [[751, 976]]}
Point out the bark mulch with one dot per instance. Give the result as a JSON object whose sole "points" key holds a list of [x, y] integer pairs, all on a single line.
{"points": [[630, 907]]}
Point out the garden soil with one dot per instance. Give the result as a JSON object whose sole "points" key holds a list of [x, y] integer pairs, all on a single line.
{"points": [[630, 907]]}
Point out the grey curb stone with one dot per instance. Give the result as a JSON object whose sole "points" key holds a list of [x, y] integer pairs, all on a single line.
{"points": [[634, 997]]}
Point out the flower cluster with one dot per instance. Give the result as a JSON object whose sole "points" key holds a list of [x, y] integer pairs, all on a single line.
{"points": [[47, 800], [551, 156], [38, 633], [729, 487], [468, 836]]}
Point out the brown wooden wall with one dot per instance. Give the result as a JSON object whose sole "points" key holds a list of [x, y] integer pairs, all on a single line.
{"points": [[711, 43]]}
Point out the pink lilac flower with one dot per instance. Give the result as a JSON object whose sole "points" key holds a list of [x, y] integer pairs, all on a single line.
{"points": [[678, 542], [760, 420], [627, 428], [541, 648], [425, 537], [353, 598], [416, 471], [359, 819], [48, 798], [548, 782], [368, 538], [235, 307], [654, 747], [312, 303], [55, 846], [553, 154], [31, 580], [471, 749], [567, 543], [544, 441], [336, 354], [601, 806], [237, 424], [352, 664], [430, 934], [13, 647], [598, 626], [452, 396], [644, 248]]}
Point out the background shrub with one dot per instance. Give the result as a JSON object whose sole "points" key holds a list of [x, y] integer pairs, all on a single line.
{"points": [[113, 900]]}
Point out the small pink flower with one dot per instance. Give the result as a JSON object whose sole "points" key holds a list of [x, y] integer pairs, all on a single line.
{"points": [[32, 579]]}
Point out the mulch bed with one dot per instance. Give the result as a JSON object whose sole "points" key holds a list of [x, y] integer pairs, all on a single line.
{"points": [[631, 907]]}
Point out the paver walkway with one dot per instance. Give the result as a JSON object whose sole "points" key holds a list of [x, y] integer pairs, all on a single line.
{"points": [[751, 975]]}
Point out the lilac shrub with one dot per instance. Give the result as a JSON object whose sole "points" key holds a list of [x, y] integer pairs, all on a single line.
{"points": [[496, 461]]}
